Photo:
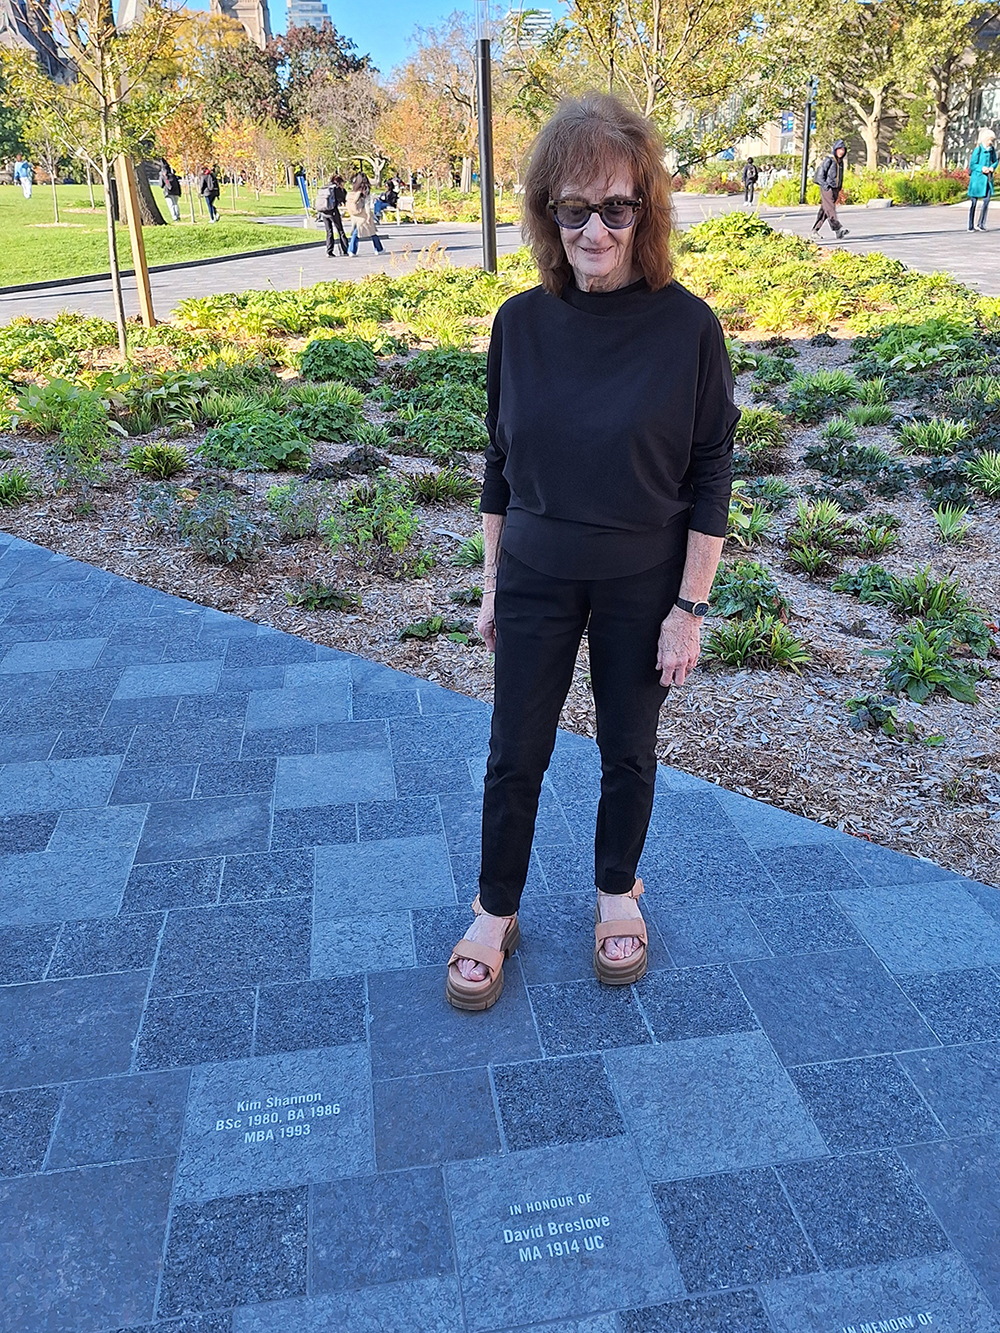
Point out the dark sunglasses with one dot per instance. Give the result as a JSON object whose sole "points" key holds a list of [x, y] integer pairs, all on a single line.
{"points": [[616, 214]]}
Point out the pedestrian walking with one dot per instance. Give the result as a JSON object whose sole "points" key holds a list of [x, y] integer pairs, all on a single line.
{"points": [[750, 175], [982, 165], [362, 215], [170, 184], [24, 174], [830, 179], [209, 191], [330, 199], [388, 199], [605, 501]]}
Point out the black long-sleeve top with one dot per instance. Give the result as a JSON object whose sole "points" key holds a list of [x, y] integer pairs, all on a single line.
{"points": [[611, 418]]}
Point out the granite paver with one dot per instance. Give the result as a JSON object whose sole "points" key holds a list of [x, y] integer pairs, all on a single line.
{"points": [[234, 1100]]}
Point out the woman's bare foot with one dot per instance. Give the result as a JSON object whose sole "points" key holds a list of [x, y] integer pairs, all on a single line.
{"points": [[619, 907], [485, 929]]}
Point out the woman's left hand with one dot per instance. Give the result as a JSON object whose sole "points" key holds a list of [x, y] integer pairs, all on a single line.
{"points": [[679, 647]]}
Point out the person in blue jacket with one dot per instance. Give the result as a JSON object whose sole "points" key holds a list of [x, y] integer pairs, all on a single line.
{"points": [[982, 165]]}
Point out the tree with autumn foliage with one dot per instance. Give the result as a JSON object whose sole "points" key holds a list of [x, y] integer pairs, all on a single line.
{"points": [[185, 142]]}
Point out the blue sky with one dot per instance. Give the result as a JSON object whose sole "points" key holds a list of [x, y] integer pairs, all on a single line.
{"points": [[380, 28]]}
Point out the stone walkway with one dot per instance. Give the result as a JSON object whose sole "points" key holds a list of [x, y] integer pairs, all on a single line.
{"points": [[234, 1099], [927, 239]]}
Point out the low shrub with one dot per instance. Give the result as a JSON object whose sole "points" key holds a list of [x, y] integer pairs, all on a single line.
{"points": [[760, 641], [296, 508], [350, 360], [260, 441], [161, 461], [945, 480], [218, 530], [920, 662], [868, 463], [319, 596], [336, 422], [441, 364], [156, 507], [377, 522], [444, 438], [17, 487], [744, 587]]}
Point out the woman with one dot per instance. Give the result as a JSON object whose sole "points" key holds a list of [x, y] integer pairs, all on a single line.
{"points": [[359, 210], [209, 191], [605, 503], [329, 201], [981, 167]]}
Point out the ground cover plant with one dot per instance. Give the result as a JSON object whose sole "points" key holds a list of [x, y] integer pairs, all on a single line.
{"points": [[343, 507]]}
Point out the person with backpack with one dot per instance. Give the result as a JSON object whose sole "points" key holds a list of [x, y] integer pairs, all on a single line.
{"points": [[830, 179], [171, 186], [359, 210], [750, 175], [329, 201], [24, 174], [209, 191], [982, 165]]}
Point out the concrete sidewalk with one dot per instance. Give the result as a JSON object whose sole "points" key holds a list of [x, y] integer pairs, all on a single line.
{"points": [[234, 1100]]}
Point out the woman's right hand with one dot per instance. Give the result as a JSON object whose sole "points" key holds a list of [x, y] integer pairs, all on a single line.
{"points": [[485, 622]]}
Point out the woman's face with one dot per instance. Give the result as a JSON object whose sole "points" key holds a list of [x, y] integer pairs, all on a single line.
{"points": [[599, 257]]}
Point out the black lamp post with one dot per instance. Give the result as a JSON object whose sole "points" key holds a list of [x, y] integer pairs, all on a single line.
{"points": [[812, 88], [484, 101]]}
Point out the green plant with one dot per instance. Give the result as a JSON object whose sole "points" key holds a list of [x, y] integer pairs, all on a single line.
{"points": [[371, 436], [333, 421], [161, 461], [760, 641], [811, 396], [350, 360], [441, 364], [43, 408], [874, 414], [456, 631], [760, 435], [969, 632], [471, 552], [445, 437], [318, 596], [937, 436], [165, 398], [377, 520], [17, 487], [770, 371], [876, 538], [951, 522], [909, 347], [868, 463], [215, 528], [320, 395], [872, 712], [774, 492], [260, 441], [442, 487], [924, 595], [811, 560], [740, 356], [744, 587], [839, 430], [467, 596], [920, 661], [984, 473], [76, 456], [241, 376], [296, 508], [871, 584], [156, 507], [823, 524]]}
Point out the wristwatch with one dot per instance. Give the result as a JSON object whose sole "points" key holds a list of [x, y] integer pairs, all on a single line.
{"points": [[692, 608]]}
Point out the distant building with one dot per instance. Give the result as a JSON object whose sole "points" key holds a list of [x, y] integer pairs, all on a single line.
{"points": [[253, 14], [26, 25], [526, 27], [307, 14]]}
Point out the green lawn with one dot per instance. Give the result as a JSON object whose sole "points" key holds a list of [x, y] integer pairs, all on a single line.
{"points": [[35, 250]]}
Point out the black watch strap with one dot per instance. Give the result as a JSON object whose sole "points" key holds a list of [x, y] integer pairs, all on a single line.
{"points": [[692, 608]]}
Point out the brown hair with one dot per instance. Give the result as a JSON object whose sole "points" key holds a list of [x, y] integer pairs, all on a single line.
{"points": [[586, 137]]}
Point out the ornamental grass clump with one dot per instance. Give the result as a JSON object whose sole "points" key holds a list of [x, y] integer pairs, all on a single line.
{"points": [[161, 461], [951, 524], [444, 487], [823, 524], [760, 641], [17, 487], [761, 436], [811, 397], [984, 473], [937, 436]]}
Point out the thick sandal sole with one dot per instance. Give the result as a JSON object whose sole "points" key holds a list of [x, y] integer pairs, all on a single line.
{"points": [[633, 968], [476, 1002]]}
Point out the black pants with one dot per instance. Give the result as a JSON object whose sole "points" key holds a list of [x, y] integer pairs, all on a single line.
{"points": [[540, 621], [332, 223], [984, 204], [748, 192]]}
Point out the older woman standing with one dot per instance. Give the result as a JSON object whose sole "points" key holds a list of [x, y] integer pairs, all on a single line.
{"points": [[982, 165], [360, 213], [604, 505]]}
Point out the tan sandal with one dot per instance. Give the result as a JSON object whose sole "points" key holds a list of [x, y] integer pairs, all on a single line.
{"points": [[478, 995], [621, 971]]}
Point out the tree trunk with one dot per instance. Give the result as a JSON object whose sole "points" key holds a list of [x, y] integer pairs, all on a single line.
{"points": [[941, 94], [190, 185], [466, 181], [232, 182], [55, 200], [90, 185], [116, 277], [149, 214]]}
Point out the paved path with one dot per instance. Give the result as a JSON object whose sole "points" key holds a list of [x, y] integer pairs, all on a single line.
{"points": [[925, 238], [232, 866]]}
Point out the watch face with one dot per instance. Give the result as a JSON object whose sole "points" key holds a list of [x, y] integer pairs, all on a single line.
{"points": [[700, 609]]}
